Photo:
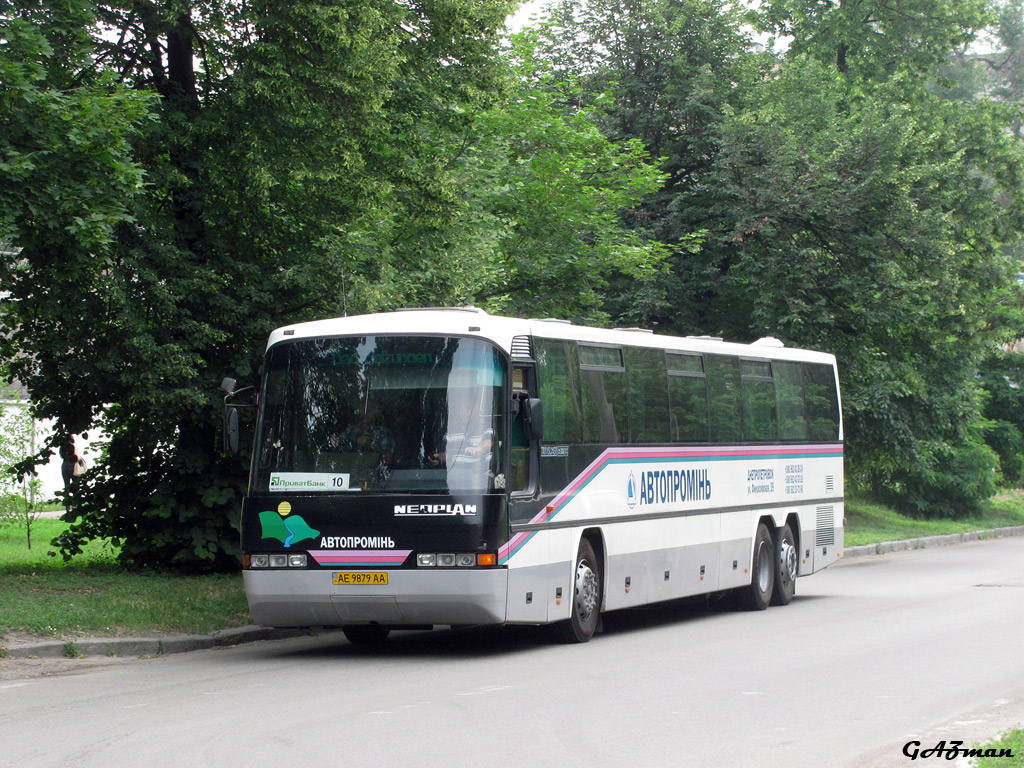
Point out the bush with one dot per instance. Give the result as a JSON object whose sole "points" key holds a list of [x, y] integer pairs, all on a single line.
{"points": [[1002, 375], [954, 483], [1008, 443]]}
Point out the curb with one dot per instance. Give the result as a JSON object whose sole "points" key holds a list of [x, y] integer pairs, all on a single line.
{"points": [[925, 542], [148, 646]]}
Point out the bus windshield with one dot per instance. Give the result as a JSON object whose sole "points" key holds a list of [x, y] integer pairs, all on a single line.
{"points": [[382, 413]]}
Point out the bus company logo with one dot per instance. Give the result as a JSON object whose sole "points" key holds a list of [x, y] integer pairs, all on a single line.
{"points": [[669, 486], [631, 491], [433, 510], [284, 526]]}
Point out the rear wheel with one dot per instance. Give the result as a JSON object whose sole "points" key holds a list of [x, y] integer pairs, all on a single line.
{"points": [[787, 563], [366, 634], [757, 596], [586, 598]]}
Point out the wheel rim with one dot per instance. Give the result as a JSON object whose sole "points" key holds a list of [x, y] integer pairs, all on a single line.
{"points": [[764, 565], [788, 559], [586, 590]]}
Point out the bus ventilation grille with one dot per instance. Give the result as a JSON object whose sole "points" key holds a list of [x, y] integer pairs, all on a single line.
{"points": [[825, 535], [830, 484], [522, 347]]}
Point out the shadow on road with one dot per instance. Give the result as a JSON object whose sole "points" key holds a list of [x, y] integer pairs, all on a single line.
{"points": [[477, 642]]}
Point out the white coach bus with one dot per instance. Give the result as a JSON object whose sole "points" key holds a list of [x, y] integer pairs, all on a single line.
{"points": [[449, 467]]}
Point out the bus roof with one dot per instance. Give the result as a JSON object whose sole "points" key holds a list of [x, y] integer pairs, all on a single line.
{"points": [[470, 321]]}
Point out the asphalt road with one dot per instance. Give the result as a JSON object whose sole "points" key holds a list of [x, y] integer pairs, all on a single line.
{"points": [[873, 653]]}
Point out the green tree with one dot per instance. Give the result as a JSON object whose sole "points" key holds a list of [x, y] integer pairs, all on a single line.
{"points": [[288, 142], [844, 201], [540, 229], [666, 73], [874, 39], [873, 224]]}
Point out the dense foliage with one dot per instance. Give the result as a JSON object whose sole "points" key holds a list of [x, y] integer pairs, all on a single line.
{"points": [[179, 176], [850, 199]]}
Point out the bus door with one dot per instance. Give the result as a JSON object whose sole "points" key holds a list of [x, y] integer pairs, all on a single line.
{"points": [[523, 452]]}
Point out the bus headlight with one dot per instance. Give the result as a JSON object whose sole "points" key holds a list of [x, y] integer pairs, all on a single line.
{"points": [[456, 559], [275, 561]]}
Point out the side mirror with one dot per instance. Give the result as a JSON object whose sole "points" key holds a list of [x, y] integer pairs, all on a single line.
{"points": [[533, 418], [227, 386], [230, 430]]}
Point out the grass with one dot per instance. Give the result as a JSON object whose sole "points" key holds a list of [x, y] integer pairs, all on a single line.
{"points": [[1013, 741], [92, 595], [870, 523]]}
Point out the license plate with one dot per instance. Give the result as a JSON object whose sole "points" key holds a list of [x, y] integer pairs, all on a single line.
{"points": [[360, 577]]}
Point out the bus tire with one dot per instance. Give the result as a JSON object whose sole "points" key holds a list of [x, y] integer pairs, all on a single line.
{"points": [[758, 595], [366, 634], [586, 596], [787, 563]]}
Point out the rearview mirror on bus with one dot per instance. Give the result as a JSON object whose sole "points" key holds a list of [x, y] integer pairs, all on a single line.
{"points": [[533, 418], [230, 429], [228, 387]]}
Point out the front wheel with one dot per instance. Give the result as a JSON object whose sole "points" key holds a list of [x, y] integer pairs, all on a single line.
{"points": [[586, 598], [787, 562], [757, 596]]}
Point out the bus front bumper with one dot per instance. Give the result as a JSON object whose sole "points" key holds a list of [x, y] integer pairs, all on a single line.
{"points": [[284, 598]]}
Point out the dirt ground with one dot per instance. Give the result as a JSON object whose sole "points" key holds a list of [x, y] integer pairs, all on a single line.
{"points": [[12, 670]]}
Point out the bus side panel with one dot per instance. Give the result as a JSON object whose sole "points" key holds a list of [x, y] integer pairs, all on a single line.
{"points": [[540, 583], [640, 569], [738, 529]]}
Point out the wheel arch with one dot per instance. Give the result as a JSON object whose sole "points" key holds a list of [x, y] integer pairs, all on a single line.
{"points": [[793, 521], [596, 538]]}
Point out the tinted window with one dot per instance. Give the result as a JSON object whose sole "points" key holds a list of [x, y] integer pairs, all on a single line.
{"points": [[822, 402], [557, 371], [600, 357], [688, 398], [758, 401], [789, 391], [688, 416], [648, 395], [723, 378], [603, 394], [376, 413]]}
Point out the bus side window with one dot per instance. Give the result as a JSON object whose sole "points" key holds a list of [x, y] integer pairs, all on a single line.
{"points": [[604, 395], [822, 402], [723, 377], [759, 420], [648, 395], [558, 371], [688, 398], [789, 390]]}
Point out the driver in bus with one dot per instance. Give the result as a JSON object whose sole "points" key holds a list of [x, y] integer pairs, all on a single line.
{"points": [[468, 435], [367, 436]]}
